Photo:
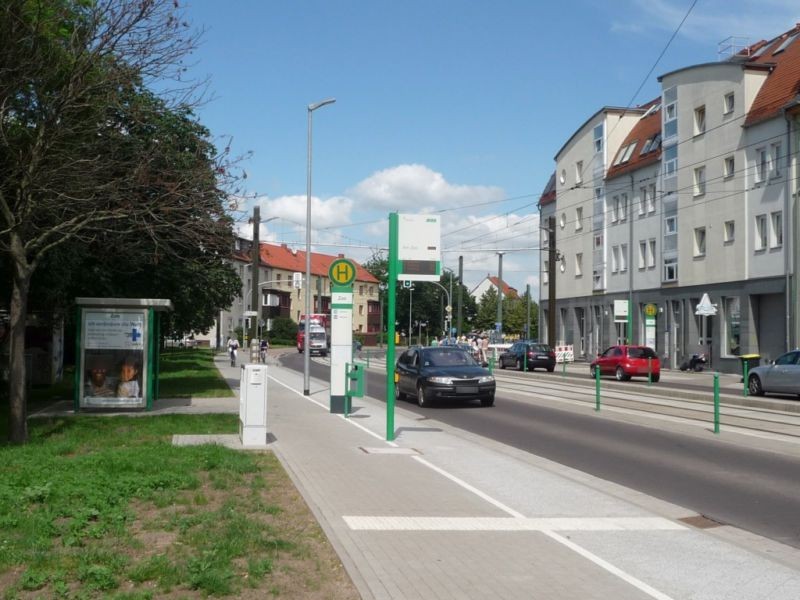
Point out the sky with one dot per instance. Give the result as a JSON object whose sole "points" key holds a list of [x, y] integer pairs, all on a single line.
{"points": [[450, 107]]}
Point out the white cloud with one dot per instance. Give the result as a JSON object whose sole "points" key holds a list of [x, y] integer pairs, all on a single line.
{"points": [[415, 188], [713, 20]]}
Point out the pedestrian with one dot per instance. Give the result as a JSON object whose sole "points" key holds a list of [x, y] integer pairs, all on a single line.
{"points": [[485, 349], [263, 350]]}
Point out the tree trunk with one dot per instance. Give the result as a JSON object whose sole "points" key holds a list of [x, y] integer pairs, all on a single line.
{"points": [[18, 422]]}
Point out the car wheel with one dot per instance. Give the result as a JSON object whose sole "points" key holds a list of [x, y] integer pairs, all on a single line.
{"points": [[592, 371], [398, 395], [551, 369], [487, 401], [620, 374], [655, 378], [502, 363], [754, 385], [422, 400]]}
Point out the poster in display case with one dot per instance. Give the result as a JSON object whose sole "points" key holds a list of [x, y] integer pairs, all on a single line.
{"points": [[114, 358]]}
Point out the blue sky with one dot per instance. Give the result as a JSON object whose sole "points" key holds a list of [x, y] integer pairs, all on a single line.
{"points": [[440, 106]]}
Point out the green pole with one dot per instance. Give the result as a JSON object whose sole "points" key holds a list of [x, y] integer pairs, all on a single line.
{"points": [[597, 387], [716, 402], [392, 310], [525, 360], [649, 371], [744, 379], [346, 390]]}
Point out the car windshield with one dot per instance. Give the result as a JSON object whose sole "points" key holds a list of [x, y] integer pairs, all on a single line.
{"points": [[641, 353], [317, 335], [447, 357], [540, 348]]}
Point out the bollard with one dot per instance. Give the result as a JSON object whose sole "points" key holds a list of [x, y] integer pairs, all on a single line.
{"points": [[491, 364], [744, 379], [525, 361], [649, 371], [597, 388], [716, 402]]}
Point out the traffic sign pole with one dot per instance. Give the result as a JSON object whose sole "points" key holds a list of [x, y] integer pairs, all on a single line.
{"points": [[392, 310]]}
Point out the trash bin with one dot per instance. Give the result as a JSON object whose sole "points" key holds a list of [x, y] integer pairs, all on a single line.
{"points": [[749, 361]]}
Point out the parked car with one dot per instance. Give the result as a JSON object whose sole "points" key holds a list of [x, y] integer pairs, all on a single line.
{"points": [[781, 376], [538, 355], [625, 362], [442, 372]]}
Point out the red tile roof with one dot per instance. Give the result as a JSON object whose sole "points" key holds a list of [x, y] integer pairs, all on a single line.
{"points": [[549, 193], [508, 291], [283, 257], [648, 127], [783, 83]]}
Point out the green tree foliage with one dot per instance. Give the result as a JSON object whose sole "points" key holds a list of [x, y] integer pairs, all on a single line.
{"points": [[95, 166], [283, 328]]}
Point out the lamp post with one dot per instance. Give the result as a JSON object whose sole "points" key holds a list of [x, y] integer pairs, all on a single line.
{"points": [[500, 296], [256, 265], [306, 346]]}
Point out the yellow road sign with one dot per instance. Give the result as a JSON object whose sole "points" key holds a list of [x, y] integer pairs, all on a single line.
{"points": [[650, 310], [342, 271]]}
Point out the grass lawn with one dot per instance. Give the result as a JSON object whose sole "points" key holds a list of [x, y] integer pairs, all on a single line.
{"points": [[106, 507], [191, 372]]}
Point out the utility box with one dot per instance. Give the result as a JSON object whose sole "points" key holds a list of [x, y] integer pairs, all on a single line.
{"points": [[253, 406]]}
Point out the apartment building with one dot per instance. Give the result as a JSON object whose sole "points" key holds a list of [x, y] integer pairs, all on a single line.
{"points": [[692, 193], [280, 296]]}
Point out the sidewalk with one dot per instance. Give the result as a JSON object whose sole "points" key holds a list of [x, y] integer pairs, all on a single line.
{"points": [[441, 513]]}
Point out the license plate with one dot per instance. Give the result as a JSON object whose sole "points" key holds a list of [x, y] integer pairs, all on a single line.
{"points": [[466, 389]]}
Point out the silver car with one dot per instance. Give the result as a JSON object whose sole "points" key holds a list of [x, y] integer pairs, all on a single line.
{"points": [[781, 376]]}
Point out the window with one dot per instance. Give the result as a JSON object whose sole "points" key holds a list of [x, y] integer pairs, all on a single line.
{"points": [[776, 230], [670, 160], [700, 120], [597, 279], [761, 232], [700, 241], [728, 167], [562, 221], [642, 254], [278, 279], [545, 237], [651, 198], [579, 264], [578, 218], [545, 277], [729, 231], [699, 181], [623, 258], [761, 164], [775, 160], [615, 204], [728, 103], [731, 312], [361, 290], [671, 269], [360, 309], [642, 200], [598, 241], [579, 172], [614, 259], [670, 225], [598, 138], [623, 215], [651, 254]]}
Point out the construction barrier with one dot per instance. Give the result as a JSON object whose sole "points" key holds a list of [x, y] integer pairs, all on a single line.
{"points": [[564, 354]]}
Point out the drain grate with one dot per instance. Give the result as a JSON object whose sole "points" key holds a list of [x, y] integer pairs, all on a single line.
{"points": [[389, 450], [701, 522]]}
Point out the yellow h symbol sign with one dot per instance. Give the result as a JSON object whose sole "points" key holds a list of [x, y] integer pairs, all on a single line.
{"points": [[342, 272]]}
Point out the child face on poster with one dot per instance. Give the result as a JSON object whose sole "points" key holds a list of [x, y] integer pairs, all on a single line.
{"points": [[128, 386]]}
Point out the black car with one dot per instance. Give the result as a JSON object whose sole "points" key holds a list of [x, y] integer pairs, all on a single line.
{"points": [[442, 372], [539, 355]]}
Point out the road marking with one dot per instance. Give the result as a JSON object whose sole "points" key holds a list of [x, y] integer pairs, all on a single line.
{"points": [[395, 523]]}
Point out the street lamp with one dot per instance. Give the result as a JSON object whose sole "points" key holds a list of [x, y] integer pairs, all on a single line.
{"points": [[306, 346], [255, 266]]}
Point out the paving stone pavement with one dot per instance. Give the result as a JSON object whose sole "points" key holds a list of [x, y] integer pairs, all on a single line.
{"points": [[440, 513]]}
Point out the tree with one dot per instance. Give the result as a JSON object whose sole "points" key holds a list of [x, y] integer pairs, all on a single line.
{"points": [[89, 155], [487, 310]]}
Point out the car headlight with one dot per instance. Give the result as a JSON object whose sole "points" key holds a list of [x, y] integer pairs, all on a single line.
{"points": [[486, 379], [442, 380]]}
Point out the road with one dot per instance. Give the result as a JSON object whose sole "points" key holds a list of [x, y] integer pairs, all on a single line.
{"points": [[748, 488]]}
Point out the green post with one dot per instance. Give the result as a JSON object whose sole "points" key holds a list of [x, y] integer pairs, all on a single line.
{"points": [[392, 310], [152, 368], [346, 390], [649, 371], [716, 402], [744, 379], [491, 364], [597, 388], [525, 360]]}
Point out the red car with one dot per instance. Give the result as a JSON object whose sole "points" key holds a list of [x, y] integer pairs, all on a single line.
{"points": [[625, 362]]}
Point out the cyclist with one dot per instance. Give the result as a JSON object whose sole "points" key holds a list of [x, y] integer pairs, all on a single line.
{"points": [[233, 345], [263, 351]]}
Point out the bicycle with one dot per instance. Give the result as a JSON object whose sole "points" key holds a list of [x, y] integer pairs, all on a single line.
{"points": [[262, 355], [232, 353]]}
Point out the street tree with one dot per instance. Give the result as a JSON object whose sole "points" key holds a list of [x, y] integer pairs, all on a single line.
{"points": [[84, 157]]}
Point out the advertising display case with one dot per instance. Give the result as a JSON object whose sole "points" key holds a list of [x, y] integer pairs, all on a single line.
{"points": [[117, 354]]}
